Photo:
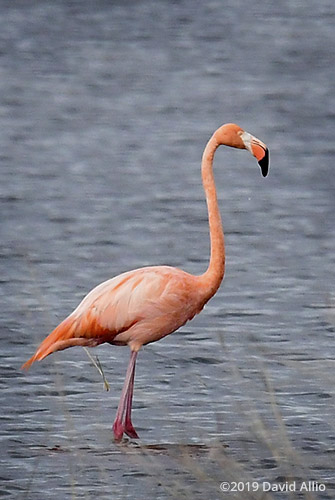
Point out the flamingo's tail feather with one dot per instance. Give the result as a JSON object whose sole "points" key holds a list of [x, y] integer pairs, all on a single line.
{"points": [[61, 338]]}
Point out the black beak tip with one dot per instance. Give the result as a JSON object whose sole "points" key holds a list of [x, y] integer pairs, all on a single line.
{"points": [[264, 163]]}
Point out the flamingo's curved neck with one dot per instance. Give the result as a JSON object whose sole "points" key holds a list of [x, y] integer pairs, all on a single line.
{"points": [[212, 278]]}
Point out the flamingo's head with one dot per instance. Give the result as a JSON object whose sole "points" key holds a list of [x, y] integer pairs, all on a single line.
{"points": [[234, 136]]}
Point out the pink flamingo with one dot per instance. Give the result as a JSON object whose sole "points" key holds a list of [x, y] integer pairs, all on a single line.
{"points": [[146, 304]]}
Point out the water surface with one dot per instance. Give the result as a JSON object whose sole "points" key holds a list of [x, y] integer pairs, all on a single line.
{"points": [[104, 111]]}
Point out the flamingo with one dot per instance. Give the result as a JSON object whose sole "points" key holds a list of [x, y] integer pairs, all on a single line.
{"points": [[146, 304]]}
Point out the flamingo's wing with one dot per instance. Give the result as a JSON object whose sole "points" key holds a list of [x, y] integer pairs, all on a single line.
{"points": [[119, 303]]}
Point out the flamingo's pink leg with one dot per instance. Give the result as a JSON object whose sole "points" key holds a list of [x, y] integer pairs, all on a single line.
{"points": [[119, 426], [128, 426]]}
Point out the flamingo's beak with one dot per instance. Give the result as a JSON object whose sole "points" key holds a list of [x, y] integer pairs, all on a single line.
{"points": [[259, 150]]}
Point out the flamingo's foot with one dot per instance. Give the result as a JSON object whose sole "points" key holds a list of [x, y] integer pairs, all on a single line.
{"points": [[129, 429], [118, 430]]}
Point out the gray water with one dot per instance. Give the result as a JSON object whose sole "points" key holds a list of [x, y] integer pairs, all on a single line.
{"points": [[105, 108]]}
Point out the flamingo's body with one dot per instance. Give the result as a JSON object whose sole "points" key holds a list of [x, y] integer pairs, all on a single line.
{"points": [[144, 305]]}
